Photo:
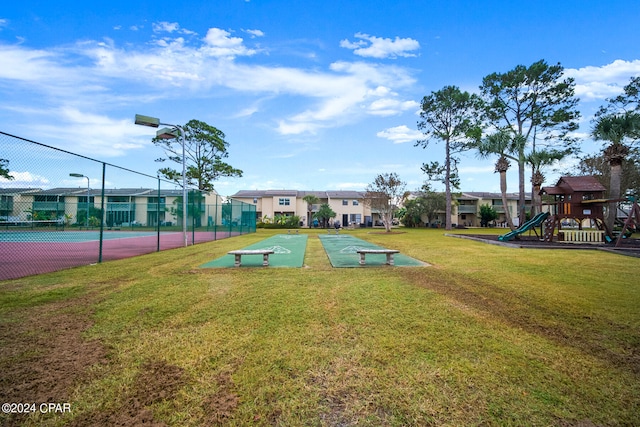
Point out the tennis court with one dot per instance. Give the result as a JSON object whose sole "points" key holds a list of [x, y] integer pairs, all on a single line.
{"points": [[28, 252], [69, 236]]}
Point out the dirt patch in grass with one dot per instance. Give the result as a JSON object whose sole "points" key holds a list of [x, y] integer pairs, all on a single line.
{"points": [[43, 354], [157, 381], [221, 405]]}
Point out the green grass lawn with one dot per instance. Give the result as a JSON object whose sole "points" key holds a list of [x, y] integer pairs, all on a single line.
{"points": [[486, 335]]}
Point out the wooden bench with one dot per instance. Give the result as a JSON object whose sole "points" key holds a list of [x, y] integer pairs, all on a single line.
{"points": [[264, 252], [388, 252], [582, 236]]}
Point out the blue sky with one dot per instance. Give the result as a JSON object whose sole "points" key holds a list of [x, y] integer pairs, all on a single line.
{"points": [[311, 95]]}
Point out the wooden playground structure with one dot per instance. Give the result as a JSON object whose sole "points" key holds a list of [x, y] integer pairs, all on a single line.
{"points": [[581, 199]]}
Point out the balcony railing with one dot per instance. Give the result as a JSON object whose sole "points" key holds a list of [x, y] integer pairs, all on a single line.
{"points": [[48, 206], [467, 209], [121, 207], [154, 207]]}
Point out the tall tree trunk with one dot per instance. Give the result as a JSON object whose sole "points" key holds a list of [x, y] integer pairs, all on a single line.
{"points": [[503, 191], [614, 193], [502, 166], [447, 186], [522, 212], [537, 179], [615, 154]]}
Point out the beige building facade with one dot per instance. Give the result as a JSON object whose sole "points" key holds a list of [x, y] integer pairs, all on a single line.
{"points": [[466, 209], [349, 206], [351, 210]]}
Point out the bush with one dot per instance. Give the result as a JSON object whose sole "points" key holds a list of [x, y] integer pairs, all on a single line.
{"points": [[487, 214], [281, 221]]}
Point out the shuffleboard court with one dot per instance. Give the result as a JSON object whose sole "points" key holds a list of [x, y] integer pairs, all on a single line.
{"points": [[342, 251], [288, 251]]}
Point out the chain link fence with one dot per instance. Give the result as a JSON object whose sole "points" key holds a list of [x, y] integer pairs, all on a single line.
{"points": [[58, 210]]}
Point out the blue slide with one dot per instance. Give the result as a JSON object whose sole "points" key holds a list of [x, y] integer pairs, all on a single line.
{"points": [[532, 223]]}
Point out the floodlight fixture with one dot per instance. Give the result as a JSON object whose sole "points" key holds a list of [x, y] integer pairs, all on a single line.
{"points": [[149, 121], [168, 133], [174, 131]]}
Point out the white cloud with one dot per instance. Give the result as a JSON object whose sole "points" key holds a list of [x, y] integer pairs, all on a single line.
{"points": [[600, 82], [91, 74], [88, 134], [23, 180], [391, 107], [27, 65], [293, 127], [220, 43], [378, 47], [400, 134], [164, 26], [3, 23], [254, 33]]}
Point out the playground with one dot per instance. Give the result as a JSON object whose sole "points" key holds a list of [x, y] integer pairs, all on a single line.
{"points": [[574, 217]]}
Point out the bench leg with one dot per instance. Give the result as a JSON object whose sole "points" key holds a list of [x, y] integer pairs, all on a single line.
{"points": [[238, 257], [361, 259], [265, 259], [390, 259]]}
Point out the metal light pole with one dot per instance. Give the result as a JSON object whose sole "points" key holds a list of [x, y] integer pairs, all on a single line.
{"points": [[167, 133], [79, 175]]}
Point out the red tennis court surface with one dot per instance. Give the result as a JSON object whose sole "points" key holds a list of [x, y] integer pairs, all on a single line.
{"points": [[20, 259]]}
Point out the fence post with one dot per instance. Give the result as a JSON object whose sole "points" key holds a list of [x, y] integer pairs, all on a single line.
{"points": [[102, 212], [158, 215], [193, 218], [230, 217], [215, 221]]}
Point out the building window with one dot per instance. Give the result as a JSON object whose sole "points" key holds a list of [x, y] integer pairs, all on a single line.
{"points": [[284, 201], [255, 200], [355, 203], [345, 203]]}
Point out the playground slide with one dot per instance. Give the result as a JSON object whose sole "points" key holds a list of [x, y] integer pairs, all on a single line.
{"points": [[533, 222]]}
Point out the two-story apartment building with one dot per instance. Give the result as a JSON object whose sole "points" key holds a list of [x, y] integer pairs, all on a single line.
{"points": [[349, 206], [466, 209], [122, 207], [351, 209]]}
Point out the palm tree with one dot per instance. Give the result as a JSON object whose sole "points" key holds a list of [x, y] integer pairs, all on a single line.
{"points": [[616, 128], [311, 200], [500, 143], [537, 160]]}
